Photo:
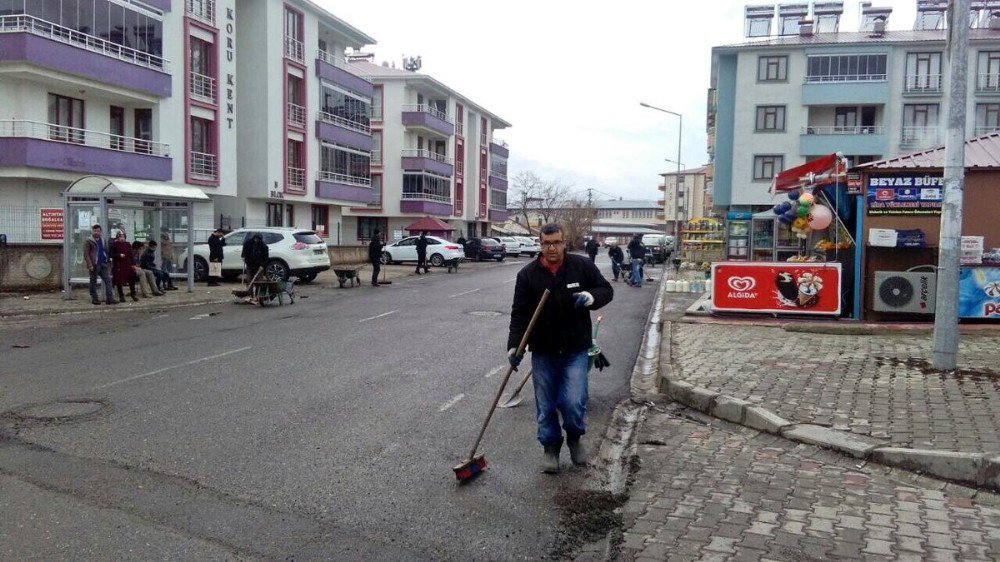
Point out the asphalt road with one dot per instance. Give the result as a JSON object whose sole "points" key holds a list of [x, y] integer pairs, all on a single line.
{"points": [[327, 429]]}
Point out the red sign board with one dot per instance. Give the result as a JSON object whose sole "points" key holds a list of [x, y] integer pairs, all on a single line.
{"points": [[776, 287], [52, 224]]}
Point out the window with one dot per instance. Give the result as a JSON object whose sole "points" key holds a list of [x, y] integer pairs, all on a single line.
{"points": [[923, 72], [498, 165], [143, 129], [66, 119], [845, 68], [290, 215], [294, 90], [345, 105], [294, 153], [845, 117], [920, 115], [320, 222], [368, 225], [376, 190], [201, 56], [117, 127], [111, 20], [772, 69], [377, 103], [343, 161], [989, 71], [274, 212], [426, 186], [987, 118], [770, 118], [767, 166], [201, 135], [293, 25], [272, 237]]}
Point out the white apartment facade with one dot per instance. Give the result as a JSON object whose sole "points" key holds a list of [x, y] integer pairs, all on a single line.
{"points": [[695, 195], [107, 87], [778, 101], [434, 154]]}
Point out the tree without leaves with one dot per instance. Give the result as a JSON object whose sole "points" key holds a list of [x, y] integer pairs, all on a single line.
{"points": [[539, 198]]}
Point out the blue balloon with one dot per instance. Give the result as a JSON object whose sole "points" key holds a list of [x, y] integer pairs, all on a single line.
{"points": [[785, 205], [791, 215], [784, 220], [794, 194], [777, 210]]}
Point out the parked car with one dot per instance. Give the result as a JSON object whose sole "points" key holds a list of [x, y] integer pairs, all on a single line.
{"points": [[529, 246], [489, 249], [513, 245], [439, 251], [610, 240], [293, 252], [658, 247]]}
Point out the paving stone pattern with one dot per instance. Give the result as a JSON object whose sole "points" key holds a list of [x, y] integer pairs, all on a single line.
{"points": [[725, 492], [866, 384]]}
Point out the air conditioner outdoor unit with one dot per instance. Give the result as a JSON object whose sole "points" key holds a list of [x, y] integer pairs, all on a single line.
{"points": [[903, 291]]}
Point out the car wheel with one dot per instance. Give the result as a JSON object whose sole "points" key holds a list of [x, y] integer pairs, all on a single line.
{"points": [[385, 259], [307, 277], [500, 259], [276, 270], [437, 260], [200, 269]]}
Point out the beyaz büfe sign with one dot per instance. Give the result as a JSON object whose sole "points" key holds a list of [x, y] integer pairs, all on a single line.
{"points": [[777, 287]]}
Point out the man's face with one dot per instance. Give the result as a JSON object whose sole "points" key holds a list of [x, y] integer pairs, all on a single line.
{"points": [[553, 247], [96, 232]]}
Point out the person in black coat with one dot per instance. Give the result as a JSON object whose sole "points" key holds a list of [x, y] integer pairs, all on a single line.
{"points": [[560, 340], [215, 253], [375, 256], [592, 248], [422, 253], [636, 251], [617, 258]]}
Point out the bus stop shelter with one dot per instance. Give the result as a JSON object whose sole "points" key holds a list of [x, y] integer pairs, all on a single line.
{"points": [[145, 210]]}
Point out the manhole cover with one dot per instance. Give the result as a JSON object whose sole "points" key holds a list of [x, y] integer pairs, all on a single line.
{"points": [[61, 409], [487, 313]]}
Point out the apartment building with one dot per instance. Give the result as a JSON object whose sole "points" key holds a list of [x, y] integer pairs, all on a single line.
{"points": [[692, 199], [305, 127], [800, 88], [434, 154], [124, 89]]}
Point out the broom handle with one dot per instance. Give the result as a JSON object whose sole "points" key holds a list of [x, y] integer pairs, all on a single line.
{"points": [[510, 369]]}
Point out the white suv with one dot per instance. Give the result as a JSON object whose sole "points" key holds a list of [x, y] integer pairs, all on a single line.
{"points": [[529, 246], [293, 252], [512, 244]]}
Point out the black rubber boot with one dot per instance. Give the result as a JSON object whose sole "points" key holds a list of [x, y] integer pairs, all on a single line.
{"points": [[577, 452], [550, 459]]}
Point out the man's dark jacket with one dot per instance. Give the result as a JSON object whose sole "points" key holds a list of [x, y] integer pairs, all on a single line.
{"points": [[561, 328], [215, 245], [636, 249], [374, 250], [422, 246], [616, 254], [592, 247]]}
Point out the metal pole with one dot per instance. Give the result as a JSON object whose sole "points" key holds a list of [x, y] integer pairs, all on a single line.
{"points": [[677, 180], [945, 354]]}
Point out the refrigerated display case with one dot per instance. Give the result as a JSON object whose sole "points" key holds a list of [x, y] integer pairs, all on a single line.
{"points": [[738, 236], [762, 237]]}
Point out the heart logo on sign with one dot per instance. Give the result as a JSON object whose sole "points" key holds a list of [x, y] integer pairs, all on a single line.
{"points": [[742, 284]]}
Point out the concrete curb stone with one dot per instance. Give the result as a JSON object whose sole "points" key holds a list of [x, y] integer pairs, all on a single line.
{"points": [[950, 465], [858, 446], [729, 408], [765, 420]]}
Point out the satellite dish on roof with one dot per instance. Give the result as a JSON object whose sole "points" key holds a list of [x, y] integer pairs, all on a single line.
{"points": [[412, 64]]}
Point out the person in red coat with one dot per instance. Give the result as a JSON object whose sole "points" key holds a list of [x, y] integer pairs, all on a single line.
{"points": [[122, 272]]}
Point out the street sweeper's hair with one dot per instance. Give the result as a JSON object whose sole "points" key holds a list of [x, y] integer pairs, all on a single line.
{"points": [[552, 228]]}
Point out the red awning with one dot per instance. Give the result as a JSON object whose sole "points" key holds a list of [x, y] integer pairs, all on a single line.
{"points": [[793, 178], [430, 224]]}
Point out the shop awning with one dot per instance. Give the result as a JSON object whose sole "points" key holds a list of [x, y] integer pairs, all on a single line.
{"points": [[133, 189], [793, 178], [430, 224]]}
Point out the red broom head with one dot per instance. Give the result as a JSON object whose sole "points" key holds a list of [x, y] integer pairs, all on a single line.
{"points": [[470, 469]]}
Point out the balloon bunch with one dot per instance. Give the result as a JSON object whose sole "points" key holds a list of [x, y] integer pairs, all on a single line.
{"points": [[803, 213]]}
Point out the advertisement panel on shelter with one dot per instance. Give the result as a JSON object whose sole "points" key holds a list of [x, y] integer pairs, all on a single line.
{"points": [[905, 195], [790, 288], [979, 292], [52, 224]]}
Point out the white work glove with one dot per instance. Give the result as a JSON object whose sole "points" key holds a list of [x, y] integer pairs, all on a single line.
{"points": [[583, 299]]}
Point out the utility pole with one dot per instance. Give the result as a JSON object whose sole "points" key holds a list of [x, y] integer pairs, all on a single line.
{"points": [[945, 350], [590, 197]]}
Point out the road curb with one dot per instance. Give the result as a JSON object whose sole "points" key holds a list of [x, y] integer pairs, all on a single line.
{"points": [[112, 310], [646, 371]]}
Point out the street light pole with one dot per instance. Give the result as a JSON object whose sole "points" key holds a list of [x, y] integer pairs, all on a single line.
{"points": [[677, 180]]}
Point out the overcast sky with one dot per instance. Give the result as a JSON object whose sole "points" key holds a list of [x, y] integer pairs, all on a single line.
{"points": [[569, 76]]}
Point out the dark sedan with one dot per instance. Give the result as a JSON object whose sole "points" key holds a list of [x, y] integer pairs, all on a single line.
{"points": [[488, 249]]}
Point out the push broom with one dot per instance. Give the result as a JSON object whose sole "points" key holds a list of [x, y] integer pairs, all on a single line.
{"points": [[474, 464]]}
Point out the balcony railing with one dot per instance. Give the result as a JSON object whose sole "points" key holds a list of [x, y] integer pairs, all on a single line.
{"points": [[295, 50], [376, 159], [345, 123], [980, 131], [204, 166], [988, 82], [202, 87], [499, 142], [922, 83], [19, 128], [296, 115], [35, 26], [323, 175], [460, 168], [295, 178], [919, 136], [460, 128], [498, 207], [423, 153], [846, 78], [426, 197], [203, 10], [342, 64], [424, 108], [498, 174], [837, 130]]}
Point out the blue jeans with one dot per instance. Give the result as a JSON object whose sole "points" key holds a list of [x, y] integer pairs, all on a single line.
{"points": [[560, 388], [636, 272], [162, 278], [102, 272]]}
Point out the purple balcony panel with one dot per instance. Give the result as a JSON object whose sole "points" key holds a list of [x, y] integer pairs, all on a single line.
{"points": [[343, 192], [343, 78], [425, 207], [41, 51], [498, 216], [499, 184], [428, 121], [159, 4], [427, 164], [340, 135], [68, 157], [499, 150]]}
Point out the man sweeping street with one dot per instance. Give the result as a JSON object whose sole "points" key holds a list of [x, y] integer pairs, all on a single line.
{"points": [[559, 341]]}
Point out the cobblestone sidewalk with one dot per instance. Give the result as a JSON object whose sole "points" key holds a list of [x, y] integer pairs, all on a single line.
{"points": [[709, 490], [870, 385]]}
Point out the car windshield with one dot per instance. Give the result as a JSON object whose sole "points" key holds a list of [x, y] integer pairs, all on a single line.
{"points": [[307, 238]]}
